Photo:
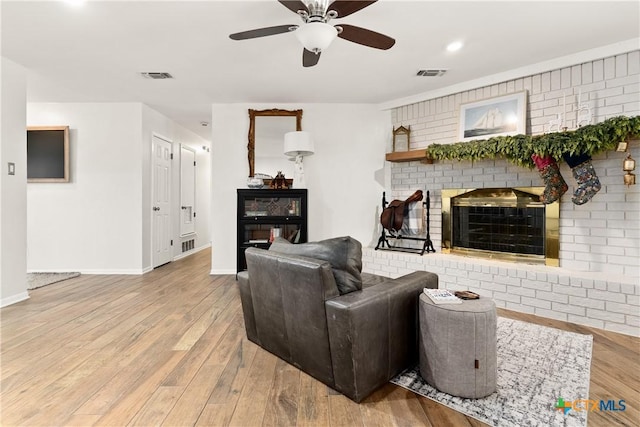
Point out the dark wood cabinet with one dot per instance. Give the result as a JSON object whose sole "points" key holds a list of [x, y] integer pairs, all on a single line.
{"points": [[264, 214]]}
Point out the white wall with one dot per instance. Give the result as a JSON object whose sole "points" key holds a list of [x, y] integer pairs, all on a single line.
{"points": [[345, 176], [13, 199], [100, 222], [91, 224]]}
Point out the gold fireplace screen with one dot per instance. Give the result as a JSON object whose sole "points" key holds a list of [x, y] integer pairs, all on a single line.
{"points": [[509, 224]]}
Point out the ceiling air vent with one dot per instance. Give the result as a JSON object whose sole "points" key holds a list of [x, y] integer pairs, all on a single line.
{"points": [[431, 73], [157, 76]]}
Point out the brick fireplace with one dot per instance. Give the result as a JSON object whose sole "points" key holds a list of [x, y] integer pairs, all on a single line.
{"points": [[597, 281]]}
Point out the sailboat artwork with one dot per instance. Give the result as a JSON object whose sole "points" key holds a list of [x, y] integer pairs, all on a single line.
{"points": [[493, 117]]}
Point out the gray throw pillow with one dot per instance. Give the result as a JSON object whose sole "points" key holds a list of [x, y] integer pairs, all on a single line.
{"points": [[343, 253]]}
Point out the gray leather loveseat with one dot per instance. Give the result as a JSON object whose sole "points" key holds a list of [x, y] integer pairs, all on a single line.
{"points": [[352, 331]]}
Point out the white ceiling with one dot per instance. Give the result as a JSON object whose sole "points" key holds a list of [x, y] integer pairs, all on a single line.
{"points": [[94, 53]]}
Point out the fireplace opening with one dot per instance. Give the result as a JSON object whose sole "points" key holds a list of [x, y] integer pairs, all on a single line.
{"points": [[505, 223]]}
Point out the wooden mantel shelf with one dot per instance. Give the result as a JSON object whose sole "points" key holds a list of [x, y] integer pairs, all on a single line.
{"points": [[409, 156]]}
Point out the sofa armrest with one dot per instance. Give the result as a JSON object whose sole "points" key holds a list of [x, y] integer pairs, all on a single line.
{"points": [[247, 307], [373, 332]]}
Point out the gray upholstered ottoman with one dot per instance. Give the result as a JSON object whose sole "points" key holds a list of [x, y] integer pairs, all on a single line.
{"points": [[458, 346]]}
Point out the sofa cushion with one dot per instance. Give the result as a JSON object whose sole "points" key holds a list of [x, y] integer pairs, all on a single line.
{"points": [[343, 253]]}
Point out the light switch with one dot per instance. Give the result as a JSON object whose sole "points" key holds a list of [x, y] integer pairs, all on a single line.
{"points": [[12, 168]]}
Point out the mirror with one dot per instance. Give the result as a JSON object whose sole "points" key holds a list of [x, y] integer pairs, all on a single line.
{"points": [[266, 140]]}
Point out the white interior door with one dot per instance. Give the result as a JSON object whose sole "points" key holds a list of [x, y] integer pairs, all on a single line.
{"points": [[187, 191], [161, 184]]}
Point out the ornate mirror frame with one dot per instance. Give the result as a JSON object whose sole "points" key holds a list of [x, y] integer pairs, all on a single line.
{"points": [[251, 146]]}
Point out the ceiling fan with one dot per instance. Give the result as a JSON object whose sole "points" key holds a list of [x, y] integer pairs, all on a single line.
{"points": [[315, 33]]}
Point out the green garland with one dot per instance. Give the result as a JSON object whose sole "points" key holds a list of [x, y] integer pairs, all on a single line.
{"points": [[591, 139]]}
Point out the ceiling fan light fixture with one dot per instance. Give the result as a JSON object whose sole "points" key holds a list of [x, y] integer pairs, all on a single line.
{"points": [[316, 36]]}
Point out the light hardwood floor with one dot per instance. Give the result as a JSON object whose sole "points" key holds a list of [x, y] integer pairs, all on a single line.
{"points": [[168, 348]]}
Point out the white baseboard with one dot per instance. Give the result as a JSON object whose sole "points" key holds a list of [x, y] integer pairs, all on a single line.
{"points": [[222, 272], [14, 299], [128, 272], [132, 271]]}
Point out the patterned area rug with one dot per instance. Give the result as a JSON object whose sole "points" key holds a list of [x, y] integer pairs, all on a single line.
{"points": [[38, 280], [537, 366]]}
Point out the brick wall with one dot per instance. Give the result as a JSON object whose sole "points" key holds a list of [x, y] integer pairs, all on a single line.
{"points": [[599, 274]]}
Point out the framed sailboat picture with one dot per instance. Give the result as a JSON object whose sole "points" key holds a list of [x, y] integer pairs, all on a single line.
{"points": [[499, 116]]}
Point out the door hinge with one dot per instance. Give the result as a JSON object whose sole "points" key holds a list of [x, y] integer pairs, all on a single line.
{"points": [[194, 214], [171, 156], [172, 242], [194, 163]]}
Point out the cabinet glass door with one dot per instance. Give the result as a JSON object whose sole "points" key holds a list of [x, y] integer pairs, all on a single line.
{"points": [[272, 206], [258, 234]]}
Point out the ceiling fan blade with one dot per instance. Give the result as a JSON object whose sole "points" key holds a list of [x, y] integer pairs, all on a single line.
{"points": [[346, 8], [366, 37], [294, 5], [261, 32], [309, 59]]}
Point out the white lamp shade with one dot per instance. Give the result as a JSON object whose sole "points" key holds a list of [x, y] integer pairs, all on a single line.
{"points": [[298, 143], [316, 36]]}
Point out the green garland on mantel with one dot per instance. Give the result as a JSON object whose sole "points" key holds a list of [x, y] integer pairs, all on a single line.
{"points": [[590, 139]]}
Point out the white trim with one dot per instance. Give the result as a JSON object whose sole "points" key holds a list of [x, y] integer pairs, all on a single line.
{"points": [[14, 299], [191, 252], [529, 70], [130, 272], [222, 272]]}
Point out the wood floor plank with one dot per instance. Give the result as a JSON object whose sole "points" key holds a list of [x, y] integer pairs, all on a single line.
{"points": [[157, 407], [376, 410], [406, 408], [252, 403], [282, 406], [99, 350], [187, 409], [233, 378], [313, 405], [441, 416], [125, 409], [216, 415], [344, 412]]}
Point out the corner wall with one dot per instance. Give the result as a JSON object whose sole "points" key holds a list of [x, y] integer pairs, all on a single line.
{"points": [[100, 222], [154, 122], [13, 188], [92, 223], [345, 177]]}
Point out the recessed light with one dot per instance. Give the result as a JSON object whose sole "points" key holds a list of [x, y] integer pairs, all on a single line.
{"points": [[455, 46]]}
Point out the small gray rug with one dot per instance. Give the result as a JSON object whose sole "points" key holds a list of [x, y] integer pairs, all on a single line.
{"points": [[38, 280], [537, 366]]}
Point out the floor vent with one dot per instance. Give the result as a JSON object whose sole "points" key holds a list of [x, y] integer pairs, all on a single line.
{"points": [[188, 245]]}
